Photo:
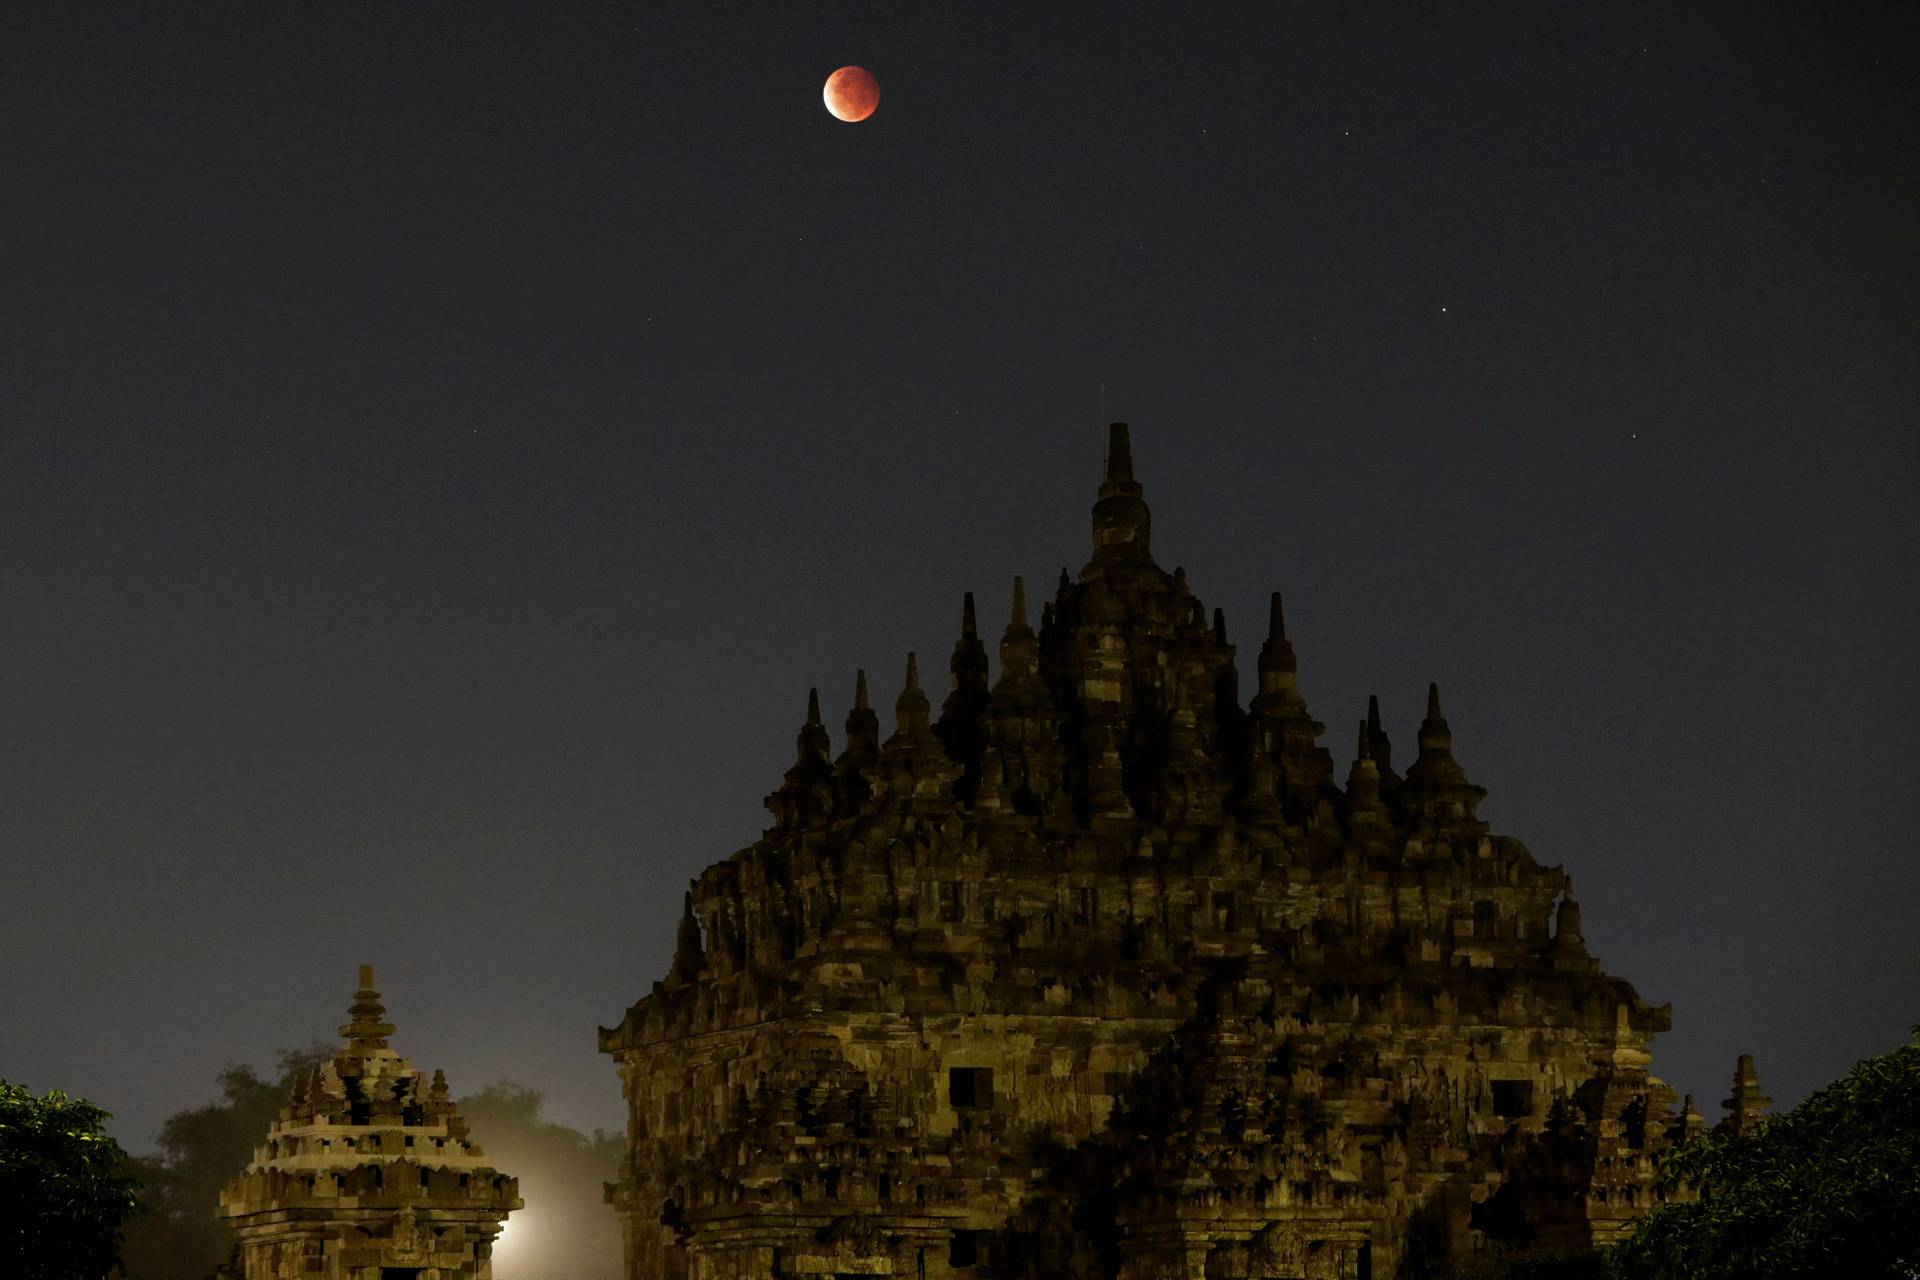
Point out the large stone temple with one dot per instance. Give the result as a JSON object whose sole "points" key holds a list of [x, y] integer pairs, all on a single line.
{"points": [[368, 1174], [1101, 972]]}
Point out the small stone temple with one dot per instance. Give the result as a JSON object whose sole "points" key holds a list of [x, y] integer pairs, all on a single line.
{"points": [[368, 1174], [1098, 969]]}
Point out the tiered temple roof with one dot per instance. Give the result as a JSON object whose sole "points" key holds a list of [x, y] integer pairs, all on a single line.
{"points": [[1102, 973], [367, 1171]]}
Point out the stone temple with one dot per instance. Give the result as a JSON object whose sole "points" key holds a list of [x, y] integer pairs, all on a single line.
{"points": [[1102, 972], [368, 1174]]}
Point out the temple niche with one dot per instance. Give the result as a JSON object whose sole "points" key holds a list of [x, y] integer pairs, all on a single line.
{"points": [[368, 1174], [1098, 971]]}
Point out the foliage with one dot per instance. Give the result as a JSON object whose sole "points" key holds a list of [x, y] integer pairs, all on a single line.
{"points": [[200, 1151], [1831, 1188], [64, 1190]]}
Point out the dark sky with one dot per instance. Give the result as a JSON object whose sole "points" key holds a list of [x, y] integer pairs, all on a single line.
{"points": [[440, 445]]}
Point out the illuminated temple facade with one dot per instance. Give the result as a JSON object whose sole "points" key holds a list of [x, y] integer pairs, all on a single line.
{"points": [[368, 1174], [1100, 971]]}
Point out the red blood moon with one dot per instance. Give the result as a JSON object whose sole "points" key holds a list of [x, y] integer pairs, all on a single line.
{"points": [[852, 94]]}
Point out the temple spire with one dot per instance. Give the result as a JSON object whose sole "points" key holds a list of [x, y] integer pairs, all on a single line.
{"points": [[1381, 749], [1747, 1107], [1364, 809], [1569, 944], [959, 724], [1281, 728], [1122, 525], [689, 955], [812, 743], [911, 710], [802, 796], [367, 1028], [914, 765], [1119, 458], [1019, 650], [862, 750], [1436, 776], [969, 662], [1278, 666], [863, 729]]}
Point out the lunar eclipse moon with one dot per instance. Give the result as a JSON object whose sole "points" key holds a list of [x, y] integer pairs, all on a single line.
{"points": [[851, 94]]}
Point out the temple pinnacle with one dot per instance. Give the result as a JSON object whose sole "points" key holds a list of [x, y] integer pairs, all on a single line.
{"points": [[689, 955], [911, 710], [1436, 775], [367, 1028], [1122, 525], [1277, 663], [1747, 1107], [1119, 455], [863, 731], [1018, 651], [969, 666]]}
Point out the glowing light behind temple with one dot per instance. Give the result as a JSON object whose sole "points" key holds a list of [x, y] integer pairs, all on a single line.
{"points": [[512, 1247]]}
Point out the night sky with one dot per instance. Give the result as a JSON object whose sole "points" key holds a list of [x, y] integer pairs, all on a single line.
{"points": [[441, 444]]}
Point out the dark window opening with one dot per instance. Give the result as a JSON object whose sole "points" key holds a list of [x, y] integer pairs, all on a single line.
{"points": [[1484, 918], [1083, 906], [400, 1273], [963, 1250], [970, 1088], [1224, 916], [358, 1113], [952, 907], [1512, 1098]]}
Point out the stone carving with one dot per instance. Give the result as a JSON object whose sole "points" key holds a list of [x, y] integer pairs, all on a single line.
{"points": [[1101, 973]]}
